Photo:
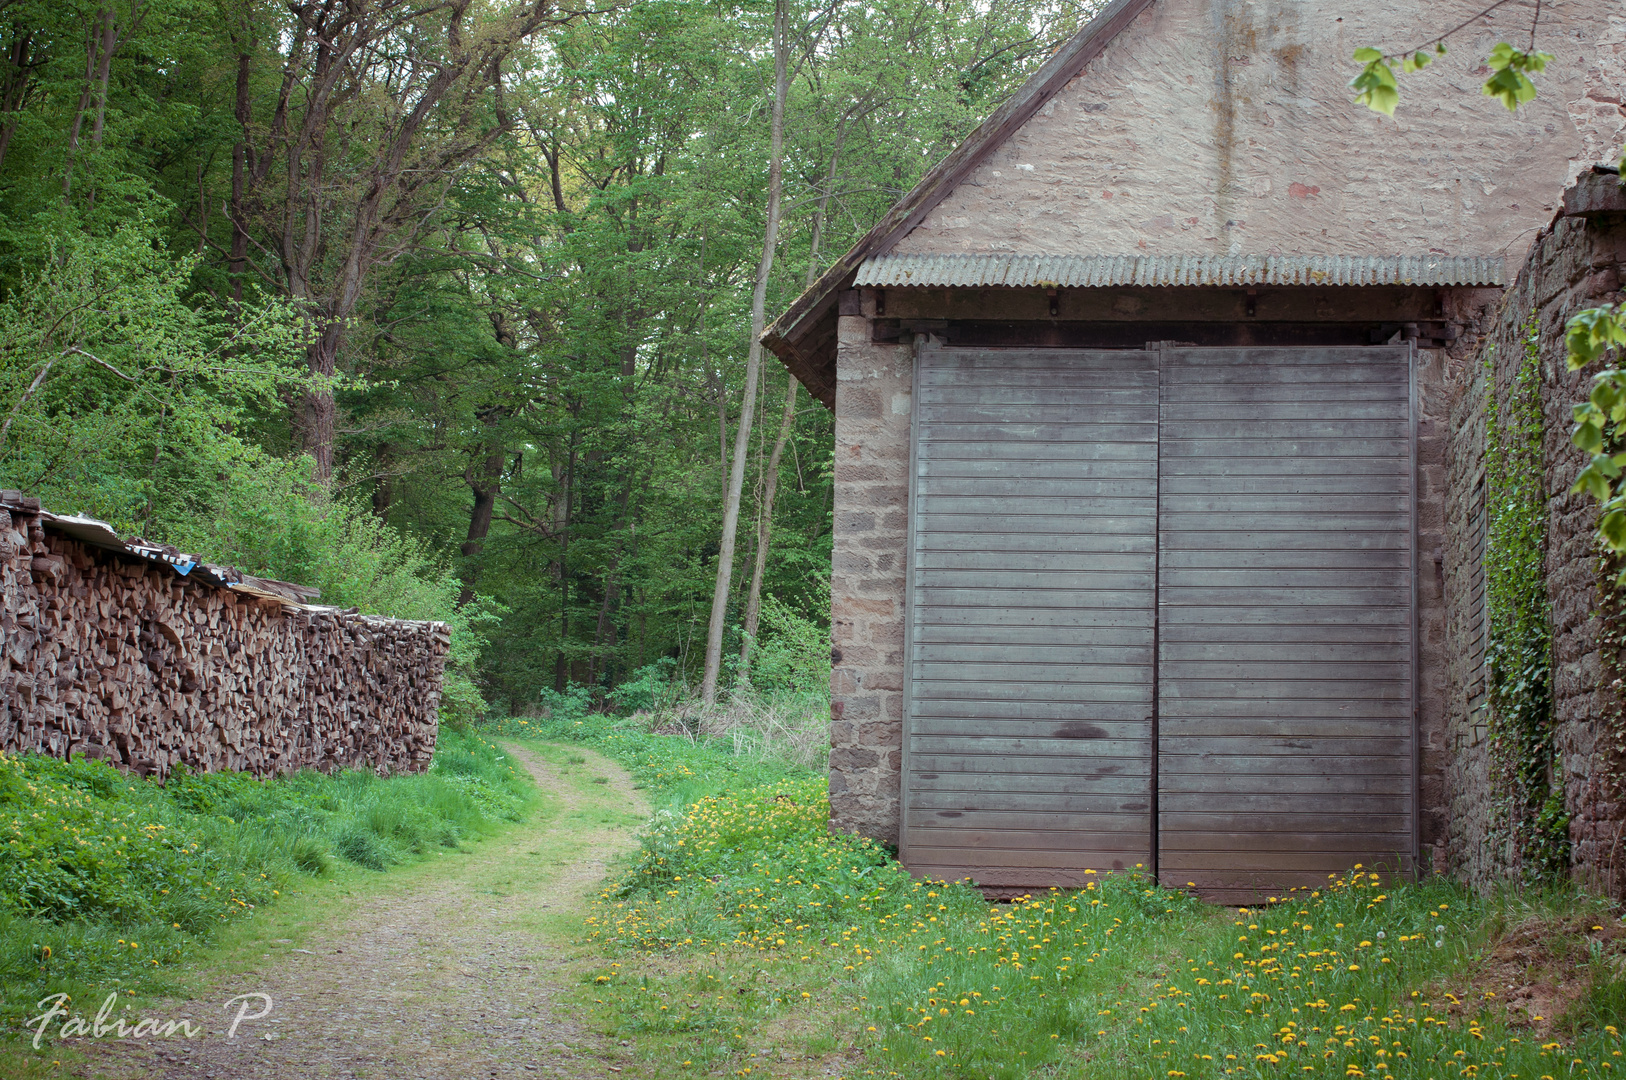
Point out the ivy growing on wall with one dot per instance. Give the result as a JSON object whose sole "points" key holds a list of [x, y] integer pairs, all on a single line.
{"points": [[1519, 647]]}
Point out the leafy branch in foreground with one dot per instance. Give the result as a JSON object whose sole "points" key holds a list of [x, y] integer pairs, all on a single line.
{"points": [[1509, 82], [1589, 336]]}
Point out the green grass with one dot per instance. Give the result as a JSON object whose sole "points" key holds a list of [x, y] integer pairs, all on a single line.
{"points": [[745, 939], [674, 770], [107, 880]]}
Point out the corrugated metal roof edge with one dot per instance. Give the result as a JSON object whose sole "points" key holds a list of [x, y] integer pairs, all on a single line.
{"points": [[1095, 271]]}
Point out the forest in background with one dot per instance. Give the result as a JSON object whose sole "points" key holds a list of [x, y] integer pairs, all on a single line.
{"points": [[445, 307]]}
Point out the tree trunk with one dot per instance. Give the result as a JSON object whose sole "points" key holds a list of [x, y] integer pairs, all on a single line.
{"points": [[486, 485], [318, 414], [753, 602], [753, 362]]}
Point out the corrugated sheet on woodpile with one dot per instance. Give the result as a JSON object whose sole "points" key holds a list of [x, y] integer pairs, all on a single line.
{"points": [[1087, 271], [97, 533]]}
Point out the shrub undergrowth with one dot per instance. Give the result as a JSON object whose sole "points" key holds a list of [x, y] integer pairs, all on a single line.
{"points": [[743, 933], [106, 878]]}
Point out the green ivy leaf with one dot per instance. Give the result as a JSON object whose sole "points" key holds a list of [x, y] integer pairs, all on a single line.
{"points": [[1416, 62]]}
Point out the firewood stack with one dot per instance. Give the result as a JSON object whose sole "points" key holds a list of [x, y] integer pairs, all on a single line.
{"points": [[141, 656]]}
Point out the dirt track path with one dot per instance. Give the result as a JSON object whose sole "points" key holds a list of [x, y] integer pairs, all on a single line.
{"points": [[455, 974]]}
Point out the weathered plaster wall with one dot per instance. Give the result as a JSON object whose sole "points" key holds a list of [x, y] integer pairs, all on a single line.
{"points": [[874, 384], [1226, 127], [1575, 264], [128, 661]]}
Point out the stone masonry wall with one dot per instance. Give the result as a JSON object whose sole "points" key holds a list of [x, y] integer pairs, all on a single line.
{"points": [[112, 656], [1432, 686], [874, 384], [1573, 265]]}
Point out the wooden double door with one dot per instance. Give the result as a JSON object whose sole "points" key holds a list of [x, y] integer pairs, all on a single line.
{"points": [[1161, 613]]}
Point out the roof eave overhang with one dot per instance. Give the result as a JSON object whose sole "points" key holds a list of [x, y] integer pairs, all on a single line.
{"points": [[812, 315]]}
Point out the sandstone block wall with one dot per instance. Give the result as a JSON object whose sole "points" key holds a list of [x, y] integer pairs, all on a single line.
{"points": [[874, 385], [1573, 265], [122, 658]]}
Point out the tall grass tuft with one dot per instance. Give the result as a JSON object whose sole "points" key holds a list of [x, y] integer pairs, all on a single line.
{"points": [[106, 878]]}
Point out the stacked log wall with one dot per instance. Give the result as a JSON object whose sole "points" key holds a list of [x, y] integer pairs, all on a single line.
{"points": [[116, 657]]}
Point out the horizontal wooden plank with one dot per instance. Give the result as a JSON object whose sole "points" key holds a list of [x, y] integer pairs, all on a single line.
{"points": [[1223, 484], [1379, 650], [1284, 671], [1341, 726], [1137, 615], [1029, 636], [1077, 389], [999, 528], [935, 447], [1141, 467], [1079, 694], [1316, 580], [941, 676], [1066, 434], [1060, 753], [1324, 430], [1275, 538], [1340, 560], [1060, 712], [1138, 562], [1182, 396], [1137, 823], [1081, 509], [1029, 847], [1302, 506], [1256, 783], [1230, 866], [1048, 802], [1191, 615], [1384, 462], [1141, 540], [1046, 580], [985, 366], [941, 862], [1328, 632], [1225, 750], [1289, 819], [1136, 786], [1012, 484], [1187, 360], [1179, 802], [1173, 768], [1388, 522], [1277, 448], [1177, 844], [1023, 770], [1299, 709], [1329, 407], [928, 597], [1282, 691], [1015, 656], [1068, 416], [1171, 598]]}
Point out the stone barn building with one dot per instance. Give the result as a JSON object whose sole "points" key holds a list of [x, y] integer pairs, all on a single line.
{"points": [[1140, 403]]}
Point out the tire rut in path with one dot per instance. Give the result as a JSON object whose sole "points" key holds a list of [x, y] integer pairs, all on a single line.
{"points": [[437, 980]]}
